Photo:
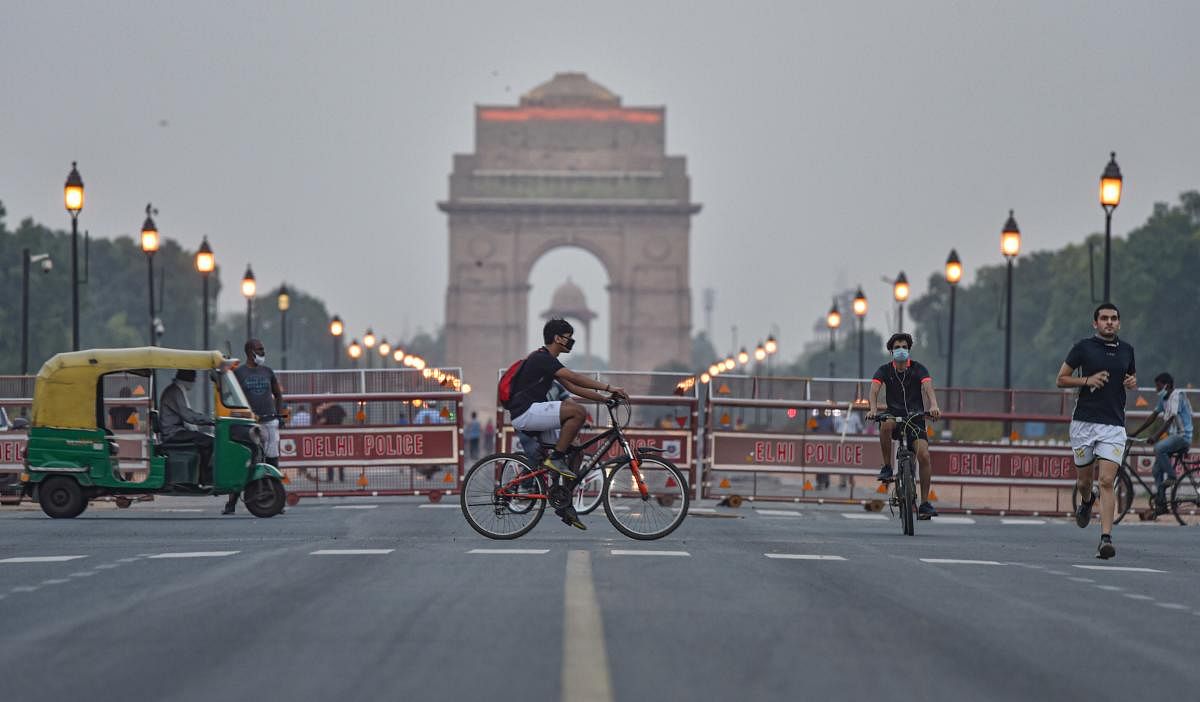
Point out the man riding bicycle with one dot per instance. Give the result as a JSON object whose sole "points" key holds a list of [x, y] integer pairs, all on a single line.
{"points": [[1176, 412], [909, 391], [531, 413]]}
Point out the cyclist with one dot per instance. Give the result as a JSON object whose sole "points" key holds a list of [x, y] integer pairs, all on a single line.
{"points": [[1176, 413], [1098, 422], [531, 413], [909, 389]]}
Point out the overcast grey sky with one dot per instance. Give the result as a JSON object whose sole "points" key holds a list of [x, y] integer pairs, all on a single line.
{"points": [[830, 143]]}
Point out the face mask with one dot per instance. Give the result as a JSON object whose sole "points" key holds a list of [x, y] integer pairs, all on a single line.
{"points": [[1163, 393], [569, 345], [260, 359], [187, 385], [899, 355]]}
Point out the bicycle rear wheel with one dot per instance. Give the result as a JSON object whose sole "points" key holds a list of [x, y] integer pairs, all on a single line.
{"points": [[908, 499], [1124, 489], [649, 514], [496, 506], [589, 492], [1185, 495]]}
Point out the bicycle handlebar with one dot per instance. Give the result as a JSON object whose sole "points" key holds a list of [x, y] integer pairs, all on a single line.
{"points": [[884, 417]]}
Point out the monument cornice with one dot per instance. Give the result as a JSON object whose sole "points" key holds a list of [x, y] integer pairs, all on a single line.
{"points": [[567, 206]]}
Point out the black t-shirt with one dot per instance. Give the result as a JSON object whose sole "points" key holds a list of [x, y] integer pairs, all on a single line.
{"points": [[1090, 356], [533, 381], [903, 386]]}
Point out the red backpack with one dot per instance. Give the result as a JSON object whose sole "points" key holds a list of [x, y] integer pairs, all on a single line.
{"points": [[504, 388]]}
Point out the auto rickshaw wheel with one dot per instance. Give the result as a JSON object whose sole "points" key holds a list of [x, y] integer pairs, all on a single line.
{"points": [[61, 497], [265, 497]]}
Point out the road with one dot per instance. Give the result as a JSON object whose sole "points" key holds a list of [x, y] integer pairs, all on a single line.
{"points": [[399, 599]]}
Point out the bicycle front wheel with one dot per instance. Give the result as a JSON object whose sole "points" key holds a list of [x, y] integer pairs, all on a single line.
{"points": [[1185, 496], [589, 492], [649, 508], [497, 502]]}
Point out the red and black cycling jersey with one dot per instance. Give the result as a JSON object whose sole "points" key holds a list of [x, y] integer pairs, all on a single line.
{"points": [[903, 385]]}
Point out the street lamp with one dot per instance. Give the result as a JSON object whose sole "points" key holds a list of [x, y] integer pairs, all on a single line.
{"points": [[369, 343], [1010, 246], [385, 349], [150, 244], [900, 292], [205, 264], [336, 328], [833, 320], [860, 311], [355, 351], [743, 356], [954, 272], [285, 301], [27, 260], [249, 288], [760, 353], [1110, 197], [73, 199]]}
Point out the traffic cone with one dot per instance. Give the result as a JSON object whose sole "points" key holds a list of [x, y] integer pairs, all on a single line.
{"points": [[882, 489], [807, 485], [449, 478], [671, 482], [724, 484], [932, 495], [362, 479]]}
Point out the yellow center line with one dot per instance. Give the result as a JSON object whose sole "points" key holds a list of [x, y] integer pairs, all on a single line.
{"points": [[585, 676]]}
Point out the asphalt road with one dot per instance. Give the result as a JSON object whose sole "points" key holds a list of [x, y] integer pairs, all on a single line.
{"points": [[388, 599]]}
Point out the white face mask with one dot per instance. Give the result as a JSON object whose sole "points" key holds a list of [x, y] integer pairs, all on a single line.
{"points": [[187, 385], [260, 359]]}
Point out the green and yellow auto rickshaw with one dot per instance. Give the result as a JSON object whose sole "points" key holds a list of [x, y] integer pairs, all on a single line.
{"points": [[72, 454]]}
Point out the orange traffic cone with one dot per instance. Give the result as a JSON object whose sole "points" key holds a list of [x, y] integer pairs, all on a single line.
{"points": [[882, 489], [449, 478], [932, 495], [671, 482], [362, 479], [724, 484], [807, 485]]}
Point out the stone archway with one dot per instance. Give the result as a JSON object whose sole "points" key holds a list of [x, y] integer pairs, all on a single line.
{"points": [[567, 166]]}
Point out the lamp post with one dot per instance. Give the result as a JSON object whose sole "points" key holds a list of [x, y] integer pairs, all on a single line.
{"points": [[1010, 246], [28, 260], [1110, 197], [860, 311], [336, 329], [149, 246], [385, 349], [205, 264], [285, 301], [73, 199], [369, 345], [249, 288], [354, 351], [833, 320], [900, 292], [954, 272]]}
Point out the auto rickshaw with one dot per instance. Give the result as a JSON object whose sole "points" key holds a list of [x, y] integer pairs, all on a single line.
{"points": [[72, 456]]}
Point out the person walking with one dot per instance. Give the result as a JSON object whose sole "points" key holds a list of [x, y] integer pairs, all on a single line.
{"points": [[473, 432], [1106, 370], [265, 395]]}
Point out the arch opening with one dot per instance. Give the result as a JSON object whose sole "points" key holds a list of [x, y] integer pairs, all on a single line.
{"points": [[574, 275]]}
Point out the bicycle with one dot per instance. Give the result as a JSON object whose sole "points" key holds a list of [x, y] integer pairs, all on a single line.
{"points": [[645, 497], [904, 487], [1185, 490]]}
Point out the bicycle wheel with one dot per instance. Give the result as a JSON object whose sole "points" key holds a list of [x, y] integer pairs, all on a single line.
{"points": [[908, 496], [497, 506], [654, 512], [589, 492], [1185, 496], [1124, 488]]}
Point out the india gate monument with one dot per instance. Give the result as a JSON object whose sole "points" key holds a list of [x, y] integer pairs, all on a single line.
{"points": [[568, 166]]}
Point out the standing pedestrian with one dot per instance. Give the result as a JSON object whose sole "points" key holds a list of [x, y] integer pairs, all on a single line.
{"points": [[1106, 370], [265, 394], [331, 413], [473, 432], [489, 436]]}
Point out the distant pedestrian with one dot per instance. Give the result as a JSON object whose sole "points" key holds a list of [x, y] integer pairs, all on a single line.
{"points": [[328, 414], [489, 436], [301, 418], [473, 433], [265, 394]]}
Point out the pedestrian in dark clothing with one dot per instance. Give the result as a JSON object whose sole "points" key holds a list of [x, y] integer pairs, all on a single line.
{"points": [[265, 394]]}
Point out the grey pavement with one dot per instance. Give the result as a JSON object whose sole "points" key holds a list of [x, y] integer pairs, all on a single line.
{"points": [[392, 598]]}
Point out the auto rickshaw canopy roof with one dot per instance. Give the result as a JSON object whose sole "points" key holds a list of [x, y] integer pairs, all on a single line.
{"points": [[65, 394]]}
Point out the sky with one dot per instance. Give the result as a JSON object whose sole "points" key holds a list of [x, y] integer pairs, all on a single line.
{"points": [[831, 144]]}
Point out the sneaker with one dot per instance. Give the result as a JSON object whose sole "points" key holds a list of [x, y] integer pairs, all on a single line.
{"points": [[559, 465], [229, 509], [571, 518], [1106, 549], [926, 511], [1083, 515], [885, 474]]}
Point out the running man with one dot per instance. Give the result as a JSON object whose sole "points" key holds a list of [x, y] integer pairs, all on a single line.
{"points": [[1106, 369], [909, 390]]}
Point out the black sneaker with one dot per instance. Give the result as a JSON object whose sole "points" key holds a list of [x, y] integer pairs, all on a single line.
{"points": [[559, 465], [1106, 549], [1083, 515], [885, 474], [571, 518], [229, 509], [926, 511]]}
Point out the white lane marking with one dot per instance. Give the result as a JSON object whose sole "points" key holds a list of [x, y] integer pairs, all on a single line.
{"points": [[363, 506], [180, 509], [82, 574], [1171, 605], [25, 588], [1082, 580], [1055, 572], [1110, 588], [952, 520], [1022, 521], [55, 581], [804, 556], [194, 554], [585, 674], [702, 510], [511, 551], [866, 515], [438, 506], [39, 559], [1126, 569], [959, 561], [1135, 596], [127, 560], [352, 552], [779, 512], [632, 552]]}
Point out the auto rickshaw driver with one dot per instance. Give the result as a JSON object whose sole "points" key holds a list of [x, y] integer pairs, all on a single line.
{"points": [[176, 419]]}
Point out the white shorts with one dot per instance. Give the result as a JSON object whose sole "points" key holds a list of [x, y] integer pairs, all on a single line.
{"points": [[1090, 441], [270, 435], [541, 416]]}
